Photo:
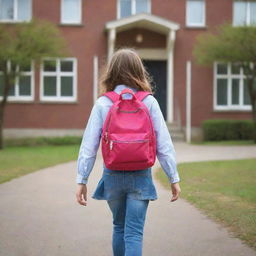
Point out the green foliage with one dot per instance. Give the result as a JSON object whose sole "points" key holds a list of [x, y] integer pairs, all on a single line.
{"points": [[222, 129], [26, 41], [22, 43], [43, 141], [228, 44], [235, 44], [225, 143]]}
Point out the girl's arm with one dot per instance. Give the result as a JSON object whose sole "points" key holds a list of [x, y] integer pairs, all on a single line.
{"points": [[165, 150], [89, 145]]}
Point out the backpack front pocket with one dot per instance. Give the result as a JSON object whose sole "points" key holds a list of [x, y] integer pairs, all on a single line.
{"points": [[123, 150]]}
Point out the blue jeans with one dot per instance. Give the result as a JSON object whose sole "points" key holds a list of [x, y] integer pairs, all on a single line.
{"points": [[115, 184], [128, 223], [128, 194]]}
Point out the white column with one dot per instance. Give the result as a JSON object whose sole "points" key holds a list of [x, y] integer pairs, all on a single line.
{"points": [[188, 101], [169, 102], [111, 42], [95, 78]]}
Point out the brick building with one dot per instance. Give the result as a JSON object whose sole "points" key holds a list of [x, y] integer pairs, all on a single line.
{"points": [[57, 101]]}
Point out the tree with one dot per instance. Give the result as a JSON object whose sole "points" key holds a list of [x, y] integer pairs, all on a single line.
{"points": [[20, 44], [231, 44]]}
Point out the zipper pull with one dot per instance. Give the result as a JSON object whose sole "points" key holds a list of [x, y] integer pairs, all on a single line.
{"points": [[111, 145], [106, 137]]}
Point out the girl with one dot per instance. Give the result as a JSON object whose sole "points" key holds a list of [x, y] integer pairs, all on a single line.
{"points": [[127, 192]]}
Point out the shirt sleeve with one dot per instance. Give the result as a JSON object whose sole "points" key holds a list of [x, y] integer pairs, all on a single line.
{"points": [[89, 145], [165, 151]]}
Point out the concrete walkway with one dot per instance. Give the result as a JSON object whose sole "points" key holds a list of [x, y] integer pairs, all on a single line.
{"points": [[40, 216]]}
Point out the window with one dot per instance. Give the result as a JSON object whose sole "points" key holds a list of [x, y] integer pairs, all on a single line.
{"points": [[23, 88], [71, 11], [230, 88], [195, 16], [15, 10], [244, 13], [131, 7], [58, 79]]}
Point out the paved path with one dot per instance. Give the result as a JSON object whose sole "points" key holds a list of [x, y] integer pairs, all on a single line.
{"points": [[40, 217]]}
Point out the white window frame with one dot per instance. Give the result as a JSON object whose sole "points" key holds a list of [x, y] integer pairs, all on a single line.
{"points": [[62, 21], [58, 74], [229, 76], [15, 16], [248, 13], [133, 9], [203, 24], [22, 98]]}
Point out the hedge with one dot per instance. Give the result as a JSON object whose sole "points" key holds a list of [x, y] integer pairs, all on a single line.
{"points": [[225, 129], [43, 140]]}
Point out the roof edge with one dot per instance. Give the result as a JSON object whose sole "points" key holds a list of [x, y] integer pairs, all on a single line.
{"points": [[142, 16]]}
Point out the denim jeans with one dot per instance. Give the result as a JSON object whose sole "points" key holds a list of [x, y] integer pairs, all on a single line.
{"points": [[128, 224], [128, 194]]}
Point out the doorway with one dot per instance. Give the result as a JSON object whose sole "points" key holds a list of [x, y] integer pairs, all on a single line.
{"points": [[157, 70]]}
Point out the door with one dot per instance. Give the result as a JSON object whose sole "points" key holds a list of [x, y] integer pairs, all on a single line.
{"points": [[157, 70]]}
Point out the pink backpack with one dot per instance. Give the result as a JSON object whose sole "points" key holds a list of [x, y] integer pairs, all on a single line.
{"points": [[128, 136]]}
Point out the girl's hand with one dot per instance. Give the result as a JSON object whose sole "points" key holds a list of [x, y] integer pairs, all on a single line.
{"points": [[175, 191], [81, 194]]}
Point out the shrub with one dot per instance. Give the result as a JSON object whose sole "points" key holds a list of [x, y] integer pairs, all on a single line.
{"points": [[223, 129], [40, 141]]}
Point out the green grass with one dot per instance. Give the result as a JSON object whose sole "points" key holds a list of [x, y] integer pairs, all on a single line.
{"points": [[224, 190], [20, 160], [226, 142], [42, 141]]}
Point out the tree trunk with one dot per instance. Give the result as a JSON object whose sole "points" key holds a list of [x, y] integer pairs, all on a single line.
{"points": [[1, 127], [252, 93], [254, 118], [7, 86]]}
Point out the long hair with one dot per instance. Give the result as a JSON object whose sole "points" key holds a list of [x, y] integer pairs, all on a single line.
{"points": [[125, 67]]}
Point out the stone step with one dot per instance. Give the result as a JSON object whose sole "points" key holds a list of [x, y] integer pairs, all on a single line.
{"points": [[174, 129], [177, 137], [173, 124], [176, 132]]}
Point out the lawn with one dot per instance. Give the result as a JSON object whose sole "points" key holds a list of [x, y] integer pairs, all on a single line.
{"points": [[224, 190], [225, 142], [20, 160]]}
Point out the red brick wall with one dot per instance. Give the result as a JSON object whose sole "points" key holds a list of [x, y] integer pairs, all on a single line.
{"points": [[84, 42], [91, 39], [217, 12]]}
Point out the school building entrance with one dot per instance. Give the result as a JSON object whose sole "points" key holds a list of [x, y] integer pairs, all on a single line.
{"points": [[157, 69], [153, 37]]}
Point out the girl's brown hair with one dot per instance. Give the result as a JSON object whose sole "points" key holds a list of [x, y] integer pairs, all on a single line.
{"points": [[125, 67]]}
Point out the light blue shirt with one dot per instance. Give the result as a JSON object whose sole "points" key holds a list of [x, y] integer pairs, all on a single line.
{"points": [[165, 151]]}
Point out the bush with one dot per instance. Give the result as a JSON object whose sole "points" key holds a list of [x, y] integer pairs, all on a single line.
{"points": [[222, 129], [40, 141]]}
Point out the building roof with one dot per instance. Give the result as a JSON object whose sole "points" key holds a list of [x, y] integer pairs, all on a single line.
{"points": [[143, 20]]}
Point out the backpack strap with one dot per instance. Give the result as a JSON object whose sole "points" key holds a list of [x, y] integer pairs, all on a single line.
{"points": [[112, 95], [142, 94]]}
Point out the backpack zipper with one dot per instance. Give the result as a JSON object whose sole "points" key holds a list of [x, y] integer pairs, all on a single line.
{"points": [[106, 132], [150, 120], [125, 141], [106, 137]]}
